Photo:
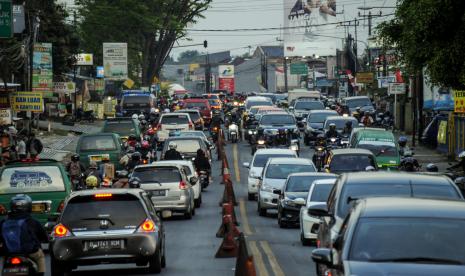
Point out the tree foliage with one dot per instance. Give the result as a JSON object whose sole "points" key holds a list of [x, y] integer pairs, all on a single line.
{"points": [[430, 34], [188, 55], [150, 28]]}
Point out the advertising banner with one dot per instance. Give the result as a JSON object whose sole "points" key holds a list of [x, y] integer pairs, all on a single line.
{"points": [[365, 77], [226, 71], [27, 101], [396, 88], [5, 116], [42, 69], [115, 61], [64, 87], [304, 22], [227, 84], [84, 59], [6, 19], [459, 101]]}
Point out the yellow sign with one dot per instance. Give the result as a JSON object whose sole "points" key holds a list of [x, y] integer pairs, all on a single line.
{"points": [[459, 101], [442, 132], [129, 83], [155, 80], [365, 77], [193, 66], [27, 101]]}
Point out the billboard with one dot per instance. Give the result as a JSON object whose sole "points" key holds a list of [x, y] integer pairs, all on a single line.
{"points": [[27, 101], [310, 28], [226, 71], [115, 61], [42, 69]]}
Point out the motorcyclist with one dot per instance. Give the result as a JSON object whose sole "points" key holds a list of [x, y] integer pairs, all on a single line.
{"points": [[332, 132], [320, 141], [92, 170], [348, 128], [74, 168], [366, 120], [125, 159], [22, 234], [404, 150], [145, 151], [409, 164], [132, 141], [281, 138], [153, 116], [202, 163], [134, 161], [357, 113], [461, 163], [122, 181], [92, 182], [172, 153], [217, 121]]}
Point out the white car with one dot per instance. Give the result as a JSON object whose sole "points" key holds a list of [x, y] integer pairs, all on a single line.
{"points": [[318, 194], [173, 122], [259, 160], [189, 169]]}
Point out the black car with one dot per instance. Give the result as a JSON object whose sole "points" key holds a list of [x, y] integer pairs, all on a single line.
{"points": [[351, 187], [398, 236], [107, 226], [270, 124], [315, 124], [294, 194]]}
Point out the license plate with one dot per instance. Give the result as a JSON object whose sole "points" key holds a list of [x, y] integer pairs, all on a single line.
{"points": [[38, 207], [19, 270], [159, 193], [98, 158], [103, 245]]}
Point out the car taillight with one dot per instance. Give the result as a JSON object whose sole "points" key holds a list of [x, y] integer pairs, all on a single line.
{"points": [[182, 185], [61, 206], [145, 161], [191, 126], [3, 210], [158, 127], [147, 226], [60, 231], [15, 261]]}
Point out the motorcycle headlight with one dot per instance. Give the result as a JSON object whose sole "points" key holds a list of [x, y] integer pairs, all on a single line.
{"points": [[250, 132], [333, 140], [319, 148], [261, 142], [294, 147]]}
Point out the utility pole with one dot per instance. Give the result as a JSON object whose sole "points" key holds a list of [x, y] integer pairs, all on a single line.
{"points": [[285, 75], [207, 70]]}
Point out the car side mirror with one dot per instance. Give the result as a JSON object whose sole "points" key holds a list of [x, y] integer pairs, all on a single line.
{"points": [[319, 210], [299, 201], [291, 108], [246, 165], [277, 192], [323, 256], [193, 180], [260, 178]]}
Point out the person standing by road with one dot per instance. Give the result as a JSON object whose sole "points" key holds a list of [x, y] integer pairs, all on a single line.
{"points": [[21, 148], [34, 146]]}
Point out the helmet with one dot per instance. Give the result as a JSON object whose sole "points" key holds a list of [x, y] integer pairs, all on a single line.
{"points": [[358, 108], [145, 144], [333, 107], [151, 132], [134, 183], [91, 182], [153, 110], [432, 168], [461, 155], [132, 137], [349, 124], [21, 204], [370, 169], [332, 126], [281, 131], [75, 158], [143, 122], [122, 174], [136, 156], [251, 116], [93, 165], [134, 117], [173, 145], [141, 117], [402, 141]]}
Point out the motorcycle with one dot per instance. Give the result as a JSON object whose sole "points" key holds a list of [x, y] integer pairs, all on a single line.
{"points": [[409, 164], [214, 133], [333, 142], [204, 181], [319, 157], [233, 131], [19, 265], [344, 141]]}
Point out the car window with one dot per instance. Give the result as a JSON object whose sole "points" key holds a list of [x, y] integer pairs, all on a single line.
{"points": [[85, 213], [435, 191], [309, 105], [379, 148], [31, 179], [191, 134], [97, 143], [319, 117], [274, 119], [175, 119], [194, 116], [282, 171], [349, 163], [320, 193], [303, 183], [157, 174], [124, 128], [187, 170], [199, 105], [139, 101], [353, 103], [186, 146], [340, 124], [261, 159]]}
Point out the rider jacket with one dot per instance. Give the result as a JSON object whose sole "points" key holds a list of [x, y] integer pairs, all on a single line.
{"points": [[36, 231], [201, 163], [217, 121], [347, 131], [332, 134], [172, 154]]}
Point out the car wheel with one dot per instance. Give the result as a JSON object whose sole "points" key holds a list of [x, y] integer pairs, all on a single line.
{"points": [[251, 197], [188, 213], [281, 223], [57, 268], [163, 258], [198, 202], [305, 242], [193, 208], [155, 263]]}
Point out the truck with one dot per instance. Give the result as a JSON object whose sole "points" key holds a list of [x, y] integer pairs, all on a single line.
{"points": [[301, 93]]}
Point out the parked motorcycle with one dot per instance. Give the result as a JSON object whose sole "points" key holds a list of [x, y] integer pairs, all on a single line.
{"points": [[19, 265]]}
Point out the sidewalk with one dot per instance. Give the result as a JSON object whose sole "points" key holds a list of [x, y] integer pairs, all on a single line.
{"points": [[77, 128]]}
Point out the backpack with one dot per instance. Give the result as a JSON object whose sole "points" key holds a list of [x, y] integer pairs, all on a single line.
{"points": [[17, 237], [74, 169]]}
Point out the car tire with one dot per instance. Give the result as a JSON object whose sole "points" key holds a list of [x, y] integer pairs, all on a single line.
{"points": [[155, 263], [198, 201], [251, 197], [188, 214], [163, 258], [281, 223], [57, 268], [305, 241], [261, 211]]}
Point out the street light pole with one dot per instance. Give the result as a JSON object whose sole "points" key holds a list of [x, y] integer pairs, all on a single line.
{"points": [[285, 75]]}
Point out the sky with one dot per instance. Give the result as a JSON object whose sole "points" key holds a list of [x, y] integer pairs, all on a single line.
{"points": [[239, 14]]}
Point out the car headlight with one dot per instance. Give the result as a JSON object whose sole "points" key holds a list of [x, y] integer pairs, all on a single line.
{"points": [[333, 140], [261, 142], [268, 189]]}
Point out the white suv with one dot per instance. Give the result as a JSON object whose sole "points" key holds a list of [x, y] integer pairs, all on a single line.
{"points": [[173, 122]]}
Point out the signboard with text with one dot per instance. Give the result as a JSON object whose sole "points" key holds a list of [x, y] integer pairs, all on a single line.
{"points": [[226, 71], [227, 84], [42, 69], [396, 88], [5, 116], [299, 69], [6, 19], [115, 61], [64, 87], [365, 77], [459, 101], [27, 101], [84, 59]]}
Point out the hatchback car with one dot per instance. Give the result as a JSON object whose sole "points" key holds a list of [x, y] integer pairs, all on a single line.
{"points": [[187, 146], [398, 236], [107, 226], [315, 124], [203, 106], [173, 122], [350, 160], [168, 186], [259, 160], [274, 176], [292, 196]]}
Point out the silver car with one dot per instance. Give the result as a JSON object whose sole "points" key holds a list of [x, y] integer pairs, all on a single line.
{"points": [[274, 177], [168, 186]]}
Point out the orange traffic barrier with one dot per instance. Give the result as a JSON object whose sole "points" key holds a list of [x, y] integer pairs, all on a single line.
{"points": [[244, 263], [229, 247], [228, 210]]}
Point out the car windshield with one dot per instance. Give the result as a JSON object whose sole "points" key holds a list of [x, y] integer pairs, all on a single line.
{"points": [[261, 159], [282, 171], [320, 117], [303, 183], [97, 143], [340, 124], [31, 179], [353, 191], [198, 105], [320, 193], [191, 134], [351, 163], [175, 119], [86, 213], [380, 148], [401, 239], [273, 119], [194, 116], [354, 103], [157, 174], [187, 146], [123, 128], [254, 103], [139, 101], [309, 105]]}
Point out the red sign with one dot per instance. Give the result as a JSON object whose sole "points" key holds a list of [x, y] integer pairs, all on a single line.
{"points": [[227, 84]]}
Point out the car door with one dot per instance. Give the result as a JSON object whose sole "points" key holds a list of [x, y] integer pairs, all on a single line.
{"points": [[326, 222]]}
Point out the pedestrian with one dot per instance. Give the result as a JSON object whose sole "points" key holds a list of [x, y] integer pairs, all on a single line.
{"points": [[34, 146], [21, 148]]}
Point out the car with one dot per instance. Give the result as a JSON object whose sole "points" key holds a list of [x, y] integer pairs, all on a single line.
{"points": [[292, 196], [107, 226], [203, 105], [196, 118], [350, 160], [274, 176], [259, 161], [318, 194], [301, 109], [171, 123], [123, 126], [45, 181], [187, 146], [169, 186], [196, 133], [136, 102], [315, 124], [215, 104], [340, 122], [363, 102], [95, 147], [267, 109], [381, 143], [256, 100], [351, 187], [271, 123], [398, 236]]}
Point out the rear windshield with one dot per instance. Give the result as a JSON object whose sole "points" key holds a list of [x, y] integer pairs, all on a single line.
{"points": [[277, 120], [321, 192], [309, 105], [351, 163], [189, 146], [194, 116], [157, 174], [353, 103], [303, 183], [136, 101], [261, 159], [100, 143], [198, 105], [175, 119], [379, 148], [254, 103], [31, 179], [282, 171], [124, 128], [87, 213], [320, 117]]}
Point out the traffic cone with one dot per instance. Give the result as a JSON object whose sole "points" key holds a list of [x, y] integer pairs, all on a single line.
{"points": [[228, 209], [229, 247], [244, 262], [226, 175], [231, 195]]}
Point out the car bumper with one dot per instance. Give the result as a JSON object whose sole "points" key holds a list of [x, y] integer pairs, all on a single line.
{"points": [[135, 247], [268, 200], [290, 215], [252, 185], [181, 204], [308, 223]]}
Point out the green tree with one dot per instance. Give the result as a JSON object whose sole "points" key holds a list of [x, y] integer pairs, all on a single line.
{"points": [[188, 56], [149, 27], [429, 34]]}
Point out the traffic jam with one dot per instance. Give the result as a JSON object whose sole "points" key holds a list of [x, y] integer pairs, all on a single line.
{"points": [[331, 169]]}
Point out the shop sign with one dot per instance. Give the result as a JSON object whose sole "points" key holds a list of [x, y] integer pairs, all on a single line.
{"points": [[27, 101], [365, 77], [459, 101], [64, 87], [5, 116]]}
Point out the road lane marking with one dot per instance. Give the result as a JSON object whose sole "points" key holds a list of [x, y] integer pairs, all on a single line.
{"points": [[244, 218], [236, 164], [271, 257], [257, 256]]}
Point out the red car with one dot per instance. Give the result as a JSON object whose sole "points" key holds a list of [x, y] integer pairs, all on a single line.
{"points": [[203, 106]]}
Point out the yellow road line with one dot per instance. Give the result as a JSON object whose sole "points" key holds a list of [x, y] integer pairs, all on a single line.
{"points": [[236, 164], [244, 218], [273, 261], [257, 256]]}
